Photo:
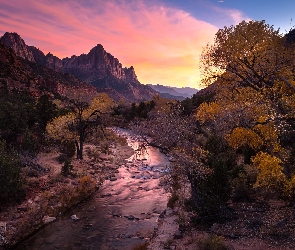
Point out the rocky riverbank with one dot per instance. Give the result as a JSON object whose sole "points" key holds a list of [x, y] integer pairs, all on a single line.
{"points": [[49, 195], [122, 214]]}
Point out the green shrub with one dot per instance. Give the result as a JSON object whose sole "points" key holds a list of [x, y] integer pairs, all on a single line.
{"points": [[212, 242], [11, 180], [243, 190], [67, 168], [62, 158], [105, 147], [215, 191], [29, 143], [172, 199]]}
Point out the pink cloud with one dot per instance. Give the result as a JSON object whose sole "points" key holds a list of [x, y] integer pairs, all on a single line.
{"points": [[162, 43], [232, 16]]}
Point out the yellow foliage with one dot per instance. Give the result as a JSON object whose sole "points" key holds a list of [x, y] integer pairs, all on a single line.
{"points": [[244, 136], [208, 112], [64, 127], [86, 184], [270, 172], [262, 119], [267, 131], [58, 128], [101, 102], [163, 105]]}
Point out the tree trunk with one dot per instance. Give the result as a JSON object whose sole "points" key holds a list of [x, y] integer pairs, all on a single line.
{"points": [[79, 150]]}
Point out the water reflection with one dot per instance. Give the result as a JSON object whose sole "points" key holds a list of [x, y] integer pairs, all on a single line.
{"points": [[121, 215]]}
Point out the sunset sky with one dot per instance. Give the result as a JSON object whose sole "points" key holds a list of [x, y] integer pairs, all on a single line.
{"points": [[162, 39]]}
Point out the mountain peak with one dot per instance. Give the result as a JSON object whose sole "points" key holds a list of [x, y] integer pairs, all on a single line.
{"points": [[98, 68], [13, 35], [130, 74], [18, 45], [99, 46]]}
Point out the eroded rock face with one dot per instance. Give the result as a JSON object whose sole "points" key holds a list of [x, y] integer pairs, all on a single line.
{"points": [[38, 55], [23, 75], [130, 74], [18, 45], [98, 68], [96, 64], [53, 62]]}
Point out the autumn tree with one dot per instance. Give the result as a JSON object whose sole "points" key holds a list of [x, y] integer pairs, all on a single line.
{"points": [[83, 119], [252, 54], [253, 109], [175, 134]]}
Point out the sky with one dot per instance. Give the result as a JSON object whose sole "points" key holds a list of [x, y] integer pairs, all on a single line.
{"points": [[161, 39]]}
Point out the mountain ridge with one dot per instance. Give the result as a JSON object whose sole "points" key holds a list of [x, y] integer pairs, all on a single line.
{"points": [[174, 92], [23, 75], [98, 68]]}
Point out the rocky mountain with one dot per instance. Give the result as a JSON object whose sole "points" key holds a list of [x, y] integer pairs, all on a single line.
{"points": [[18, 45], [98, 68], [24, 75], [174, 92]]}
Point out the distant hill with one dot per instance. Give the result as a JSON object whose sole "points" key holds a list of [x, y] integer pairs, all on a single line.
{"points": [[98, 68], [174, 92]]}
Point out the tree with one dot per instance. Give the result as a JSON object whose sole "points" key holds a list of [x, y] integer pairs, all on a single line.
{"points": [[45, 110], [175, 134], [252, 54], [253, 67], [270, 172], [17, 114], [11, 181], [83, 119]]}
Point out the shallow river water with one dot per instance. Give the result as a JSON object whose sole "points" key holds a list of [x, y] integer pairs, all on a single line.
{"points": [[121, 215]]}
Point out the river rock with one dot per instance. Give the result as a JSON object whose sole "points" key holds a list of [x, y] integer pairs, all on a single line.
{"points": [[113, 178], [47, 219], [74, 217], [2, 227], [106, 195], [130, 217]]}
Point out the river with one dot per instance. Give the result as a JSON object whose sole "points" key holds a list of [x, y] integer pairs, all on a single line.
{"points": [[121, 215]]}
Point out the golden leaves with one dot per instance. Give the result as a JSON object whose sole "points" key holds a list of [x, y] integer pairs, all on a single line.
{"points": [[208, 112], [244, 136], [270, 173], [65, 127], [58, 128]]}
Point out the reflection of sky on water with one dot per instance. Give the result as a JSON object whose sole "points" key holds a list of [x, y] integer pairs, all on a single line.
{"points": [[148, 155], [104, 222]]}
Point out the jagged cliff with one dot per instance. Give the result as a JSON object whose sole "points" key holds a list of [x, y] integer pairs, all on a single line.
{"points": [[18, 45], [98, 68], [23, 75]]}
